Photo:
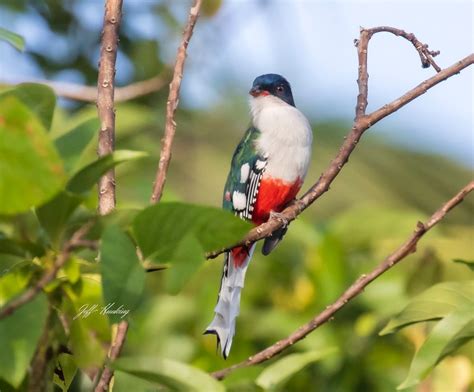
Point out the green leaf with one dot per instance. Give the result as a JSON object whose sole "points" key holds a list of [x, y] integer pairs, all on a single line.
{"points": [[279, 372], [12, 38], [90, 331], [160, 228], [433, 304], [30, 169], [54, 215], [72, 144], [19, 334], [40, 99], [124, 382], [123, 277], [67, 370], [88, 176], [446, 337], [468, 263], [186, 260], [175, 375]]}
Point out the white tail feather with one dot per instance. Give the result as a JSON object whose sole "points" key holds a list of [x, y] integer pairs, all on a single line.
{"points": [[228, 304]]}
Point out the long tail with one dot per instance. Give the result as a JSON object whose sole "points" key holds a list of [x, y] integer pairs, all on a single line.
{"points": [[228, 303]]}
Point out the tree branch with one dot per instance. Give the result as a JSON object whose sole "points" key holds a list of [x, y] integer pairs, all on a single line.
{"points": [[172, 104], [361, 123], [74, 242], [105, 99], [79, 92], [114, 353], [354, 290], [106, 111]]}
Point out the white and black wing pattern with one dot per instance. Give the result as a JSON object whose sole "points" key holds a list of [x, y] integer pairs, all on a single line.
{"points": [[243, 182]]}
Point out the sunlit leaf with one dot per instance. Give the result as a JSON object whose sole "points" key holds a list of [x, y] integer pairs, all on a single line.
{"points": [[446, 337], [40, 99], [433, 304], [16, 40], [90, 332], [279, 372], [175, 375], [123, 277], [19, 334], [88, 176], [72, 144], [30, 169], [66, 370]]}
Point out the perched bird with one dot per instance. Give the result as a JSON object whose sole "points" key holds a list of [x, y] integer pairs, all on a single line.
{"points": [[267, 171]]}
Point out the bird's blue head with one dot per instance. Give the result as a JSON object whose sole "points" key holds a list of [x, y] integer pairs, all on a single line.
{"points": [[272, 84]]}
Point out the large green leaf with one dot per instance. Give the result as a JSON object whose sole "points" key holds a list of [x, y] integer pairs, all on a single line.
{"points": [[54, 214], [175, 375], [433, 304], [446, 337], [19, 334], [87, 177], [159, 229], [72, 144], [123, 277], [30, 169], [12, 38], [279, 372], [40, 99], [186, 260]]}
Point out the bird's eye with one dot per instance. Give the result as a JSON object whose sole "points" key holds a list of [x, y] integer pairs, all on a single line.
{"points": [[280, 89]]}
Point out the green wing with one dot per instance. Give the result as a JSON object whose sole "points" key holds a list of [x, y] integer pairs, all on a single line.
{"points": [[243, 181]]}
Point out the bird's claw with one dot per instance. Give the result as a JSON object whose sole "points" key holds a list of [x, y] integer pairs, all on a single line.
{"points": [[281, 217]]}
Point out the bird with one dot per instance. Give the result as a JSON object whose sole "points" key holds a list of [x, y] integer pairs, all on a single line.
{"points": [[267, 170]]}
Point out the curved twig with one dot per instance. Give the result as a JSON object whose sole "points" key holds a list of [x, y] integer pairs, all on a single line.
{"points": [[361, 123], [355, 289], [172, 105]]}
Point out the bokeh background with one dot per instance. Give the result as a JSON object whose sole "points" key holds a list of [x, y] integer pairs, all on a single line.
{"points": [[404, 168]]}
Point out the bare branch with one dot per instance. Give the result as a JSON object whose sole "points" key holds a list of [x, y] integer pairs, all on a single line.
{"points": [[74, 242], [79, 92], [172, 105], [114, 353], [355, 289], [361, 123], [105, 99], [105, 107]]}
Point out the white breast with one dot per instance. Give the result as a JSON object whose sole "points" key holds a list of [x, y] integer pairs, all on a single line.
{"points": [[285, 139]]}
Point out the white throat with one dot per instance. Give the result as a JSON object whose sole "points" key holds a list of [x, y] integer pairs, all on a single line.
{"points": [[286, 137]]}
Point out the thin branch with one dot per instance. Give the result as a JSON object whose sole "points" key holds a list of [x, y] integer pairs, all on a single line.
{"points": [[354, 290], [106, 111], [79, 92], [105, 99], [74, 242], [114, 353], [426, 55], [360, 125], [172, 105]]}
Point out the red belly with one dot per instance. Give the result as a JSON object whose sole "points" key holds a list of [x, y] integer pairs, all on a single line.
{"points": [[273, 195]]}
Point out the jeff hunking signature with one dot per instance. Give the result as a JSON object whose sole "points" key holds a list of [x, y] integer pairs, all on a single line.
{"points": [[88, 309]]}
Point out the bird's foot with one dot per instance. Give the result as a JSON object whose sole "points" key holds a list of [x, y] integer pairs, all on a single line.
{"points": [[281, 217]]}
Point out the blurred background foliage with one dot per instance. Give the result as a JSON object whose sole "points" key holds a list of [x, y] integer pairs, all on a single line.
{"points": [[371, 208]]}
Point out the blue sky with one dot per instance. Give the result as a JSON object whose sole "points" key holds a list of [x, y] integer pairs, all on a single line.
{"points": [[311, 44]]}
